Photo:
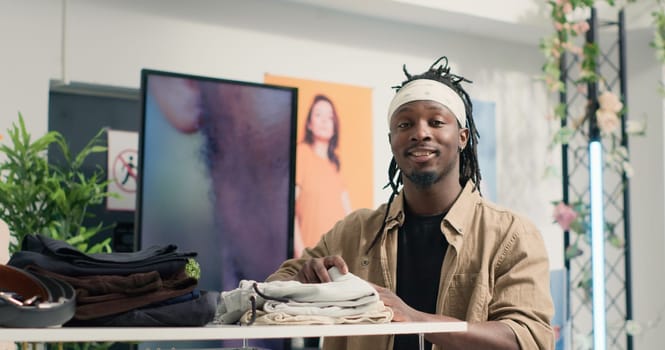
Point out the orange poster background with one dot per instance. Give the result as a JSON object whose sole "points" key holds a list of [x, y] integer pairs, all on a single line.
{"points": [[354, 108]]}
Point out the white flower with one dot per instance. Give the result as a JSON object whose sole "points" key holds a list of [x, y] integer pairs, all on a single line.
{"points": [[636, 127], [628, 169], [610, 102], [633, 327], [622, 152], [608, 121]]}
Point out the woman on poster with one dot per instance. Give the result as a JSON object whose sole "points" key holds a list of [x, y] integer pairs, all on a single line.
{"points": [[321, 197]]}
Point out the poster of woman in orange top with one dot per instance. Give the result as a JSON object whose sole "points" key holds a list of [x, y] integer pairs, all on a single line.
{"points": [[333, 155]]}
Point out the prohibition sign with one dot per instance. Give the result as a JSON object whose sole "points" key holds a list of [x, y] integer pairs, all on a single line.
{"points": [[125, 170]]}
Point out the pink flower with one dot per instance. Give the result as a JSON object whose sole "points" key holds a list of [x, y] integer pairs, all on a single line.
{"points": [[567, 7], [608, 121], [610, 102], [555, 53], [564, 215], [576, 50], [581, 27], [581, 88]]}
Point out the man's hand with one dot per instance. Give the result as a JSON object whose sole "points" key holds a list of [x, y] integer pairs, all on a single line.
{"points": [[401, 311], [316, 270]]}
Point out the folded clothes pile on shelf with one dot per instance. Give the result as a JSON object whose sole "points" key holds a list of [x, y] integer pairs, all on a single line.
{"points": [[151, 287], [347, 299]]}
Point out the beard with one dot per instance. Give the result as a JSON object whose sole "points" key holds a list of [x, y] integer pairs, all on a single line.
{"points": [[423, 179]]}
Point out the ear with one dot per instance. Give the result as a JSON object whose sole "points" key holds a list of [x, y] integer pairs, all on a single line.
{"points": [[463, 137], [389, 139]]}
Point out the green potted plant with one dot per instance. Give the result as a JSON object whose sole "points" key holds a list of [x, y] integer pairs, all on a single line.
{"points": [[51, 199]]}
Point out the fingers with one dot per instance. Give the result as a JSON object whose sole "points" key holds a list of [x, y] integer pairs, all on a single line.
{"points": [[336, 260], [321, 271], [311, 271], [316, 270], [384, 294]]}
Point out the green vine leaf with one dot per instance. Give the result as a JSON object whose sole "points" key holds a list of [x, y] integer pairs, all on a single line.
{"points": [[562, 136], [615, 241], [573, 251]]}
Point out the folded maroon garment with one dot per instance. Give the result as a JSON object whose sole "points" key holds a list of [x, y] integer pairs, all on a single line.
{"points": [[105, 295]]}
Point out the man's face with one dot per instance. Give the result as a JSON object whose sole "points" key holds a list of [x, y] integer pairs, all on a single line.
{"points": [[425, 138]]}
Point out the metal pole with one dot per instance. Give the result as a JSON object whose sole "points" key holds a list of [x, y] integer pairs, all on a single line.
{"points": [[626, 188], [563, 99]]}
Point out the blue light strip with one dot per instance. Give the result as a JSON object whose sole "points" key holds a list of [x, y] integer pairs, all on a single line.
{"points": [[597, 244]]}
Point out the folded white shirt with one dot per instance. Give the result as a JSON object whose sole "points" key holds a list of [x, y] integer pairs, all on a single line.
{"points": [[342, 288]]}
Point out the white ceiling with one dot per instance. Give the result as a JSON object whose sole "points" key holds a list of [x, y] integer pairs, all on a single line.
{"points": [[524, 21]]}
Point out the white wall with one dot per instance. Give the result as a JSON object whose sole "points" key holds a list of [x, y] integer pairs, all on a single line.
{"points": [[29, 42], [647, 193]]}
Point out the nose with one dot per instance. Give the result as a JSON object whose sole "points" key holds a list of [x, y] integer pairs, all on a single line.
{"points": [[421, 131]]}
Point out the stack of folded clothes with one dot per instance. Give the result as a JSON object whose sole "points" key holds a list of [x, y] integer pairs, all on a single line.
{"points": [[347, 299], [152, 287]]}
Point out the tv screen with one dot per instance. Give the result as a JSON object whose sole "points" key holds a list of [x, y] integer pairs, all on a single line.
{"points": [[216, 173]]}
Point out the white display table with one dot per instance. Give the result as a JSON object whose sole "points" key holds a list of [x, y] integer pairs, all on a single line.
{"points": [[218, 332]]}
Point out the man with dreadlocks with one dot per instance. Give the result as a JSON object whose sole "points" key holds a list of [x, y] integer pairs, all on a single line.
{"points": [[438, 250]]}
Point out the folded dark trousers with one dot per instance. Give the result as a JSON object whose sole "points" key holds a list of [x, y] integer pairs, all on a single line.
{"points": [[104, 295], [196, 312], [58, 256]]}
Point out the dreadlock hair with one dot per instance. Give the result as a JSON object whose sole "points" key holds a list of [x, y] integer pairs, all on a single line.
{"points": [[469, 168]]}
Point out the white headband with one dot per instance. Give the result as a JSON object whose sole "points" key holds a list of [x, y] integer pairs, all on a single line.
{"points": [[427, 89]]}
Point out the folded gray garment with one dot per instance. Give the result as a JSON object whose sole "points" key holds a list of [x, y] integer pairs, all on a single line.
{"points": [[345, 291], [233, 304]]}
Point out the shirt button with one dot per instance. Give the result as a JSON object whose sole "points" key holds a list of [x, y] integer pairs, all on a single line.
{"points": [[364, 262]]}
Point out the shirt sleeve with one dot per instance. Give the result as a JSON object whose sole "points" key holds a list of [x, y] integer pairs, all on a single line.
{"points": [[290, 267], [522, 297]]}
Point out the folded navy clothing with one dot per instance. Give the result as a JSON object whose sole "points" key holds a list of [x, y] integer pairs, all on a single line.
{"points": [[165, 268], [59, 248], [183, 298], [192, 313], [58, 256]]}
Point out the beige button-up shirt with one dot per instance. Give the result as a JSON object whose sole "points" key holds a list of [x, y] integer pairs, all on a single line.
{"points": [[495, 269]]}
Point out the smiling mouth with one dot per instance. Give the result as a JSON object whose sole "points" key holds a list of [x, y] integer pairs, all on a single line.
{"points": [[421, 153], [421, 156]]}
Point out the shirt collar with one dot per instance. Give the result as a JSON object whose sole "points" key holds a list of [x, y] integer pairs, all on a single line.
{"points": [[461, 212], [458, 216]]}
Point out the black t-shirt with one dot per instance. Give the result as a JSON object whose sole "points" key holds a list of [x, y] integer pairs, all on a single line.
{"points": [[421, 247]]}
